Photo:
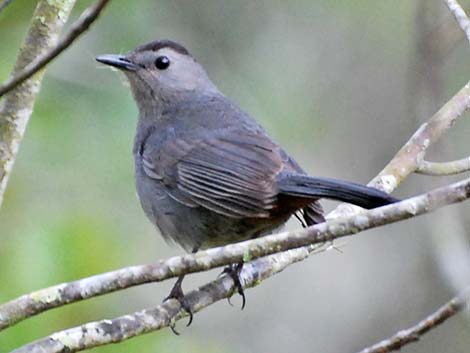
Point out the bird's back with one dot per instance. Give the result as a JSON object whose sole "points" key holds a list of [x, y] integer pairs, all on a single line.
{"points": [[183, 213]]}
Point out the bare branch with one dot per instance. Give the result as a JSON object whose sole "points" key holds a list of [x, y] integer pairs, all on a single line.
{"points": [[387, 180], [405, 162], [414, 333], [412, 153], [121, 328], [15, 109], [103, 332], [446, 168], [460, 16], [408, 158], [40, 47], [76, 29]]}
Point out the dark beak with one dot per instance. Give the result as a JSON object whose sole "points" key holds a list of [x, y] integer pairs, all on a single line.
{"points": [[118, 61]]}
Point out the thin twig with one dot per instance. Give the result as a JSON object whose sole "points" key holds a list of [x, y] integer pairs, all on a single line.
{"points": [[407, 159], [414, 333], [76, 29], [445, 168], [16, 108], [4, 4], [40, 48], [460, 16], [121, 328], [412, 153]]}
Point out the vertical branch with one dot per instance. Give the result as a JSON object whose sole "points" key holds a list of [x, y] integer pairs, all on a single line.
{"points": [[16, 107]]}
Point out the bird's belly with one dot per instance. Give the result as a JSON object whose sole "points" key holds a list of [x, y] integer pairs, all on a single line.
{"points": [[197, 227]]}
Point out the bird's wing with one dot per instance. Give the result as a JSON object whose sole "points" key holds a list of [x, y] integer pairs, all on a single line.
{"points": [[232, 174]]}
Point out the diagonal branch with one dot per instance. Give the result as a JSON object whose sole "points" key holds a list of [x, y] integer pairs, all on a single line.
{"points": [[460, 16], [408, 158], [404, 163], [414, 333], [15, 108], [103, 332], [76, 29], [401, 166], [412, 153], [446, 168], [52, 297], [40, 47]]}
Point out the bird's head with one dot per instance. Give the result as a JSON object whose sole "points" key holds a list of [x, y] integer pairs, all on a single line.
{"points": [[161, 72]]}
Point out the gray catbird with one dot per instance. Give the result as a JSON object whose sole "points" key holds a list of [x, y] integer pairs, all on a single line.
{"points": [[207, 173]]}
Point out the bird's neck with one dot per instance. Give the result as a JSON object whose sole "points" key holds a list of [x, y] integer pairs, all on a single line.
{"points": [[151, 107]]}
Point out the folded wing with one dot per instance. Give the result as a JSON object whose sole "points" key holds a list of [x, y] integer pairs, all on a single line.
{"points": [[233, 174]]}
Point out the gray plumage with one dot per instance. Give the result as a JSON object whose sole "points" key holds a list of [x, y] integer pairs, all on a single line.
{"points": [[207, 174]]}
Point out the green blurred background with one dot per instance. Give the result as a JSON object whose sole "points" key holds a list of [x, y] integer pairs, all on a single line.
{"points": [[342, 85]]}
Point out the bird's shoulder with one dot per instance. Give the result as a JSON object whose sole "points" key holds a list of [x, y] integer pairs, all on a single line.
{"points": [[231, 144], [208, 112]]}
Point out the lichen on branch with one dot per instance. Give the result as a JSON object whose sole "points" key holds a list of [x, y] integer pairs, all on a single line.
{"points": [[17, 106]]}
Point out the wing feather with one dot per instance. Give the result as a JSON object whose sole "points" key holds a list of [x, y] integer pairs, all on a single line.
{"points": [[233, 174]]}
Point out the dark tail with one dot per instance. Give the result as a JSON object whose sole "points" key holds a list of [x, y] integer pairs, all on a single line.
{"points": [[313, 187]]}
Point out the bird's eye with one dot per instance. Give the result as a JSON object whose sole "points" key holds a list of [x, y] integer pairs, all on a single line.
{"points": [[162, 62]]}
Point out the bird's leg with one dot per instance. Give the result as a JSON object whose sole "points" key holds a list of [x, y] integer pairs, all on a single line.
{"points": [[177, 293], [234, 272]]}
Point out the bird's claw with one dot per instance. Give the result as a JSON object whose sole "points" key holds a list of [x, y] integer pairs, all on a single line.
{"points": [[177, 294], [234, 272]]}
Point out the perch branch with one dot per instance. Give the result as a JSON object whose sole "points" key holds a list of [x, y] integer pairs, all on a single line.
{"points": [[15, 108], [414, 333], [119, 329], [404, 163], [460, 16], [103, 332], [387, 180], [446, 168]]}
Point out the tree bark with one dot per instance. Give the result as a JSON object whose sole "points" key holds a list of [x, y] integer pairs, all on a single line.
{"points": [[16, 107]]}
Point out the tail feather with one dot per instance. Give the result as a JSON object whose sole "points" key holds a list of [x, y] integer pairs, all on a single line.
{"points": [[345, 191]]}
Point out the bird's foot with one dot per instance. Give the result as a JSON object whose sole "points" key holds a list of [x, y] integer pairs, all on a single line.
{"points": [[177, 294], [234, 272]]}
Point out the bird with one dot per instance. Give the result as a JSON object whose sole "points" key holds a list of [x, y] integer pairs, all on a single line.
{"points": [[208, 174]]}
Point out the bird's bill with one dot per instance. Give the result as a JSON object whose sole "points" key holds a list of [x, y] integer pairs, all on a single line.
{"points": [[118, 61]]}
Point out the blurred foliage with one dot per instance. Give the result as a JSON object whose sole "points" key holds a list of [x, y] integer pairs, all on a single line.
{"points": [[326, 78]]}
